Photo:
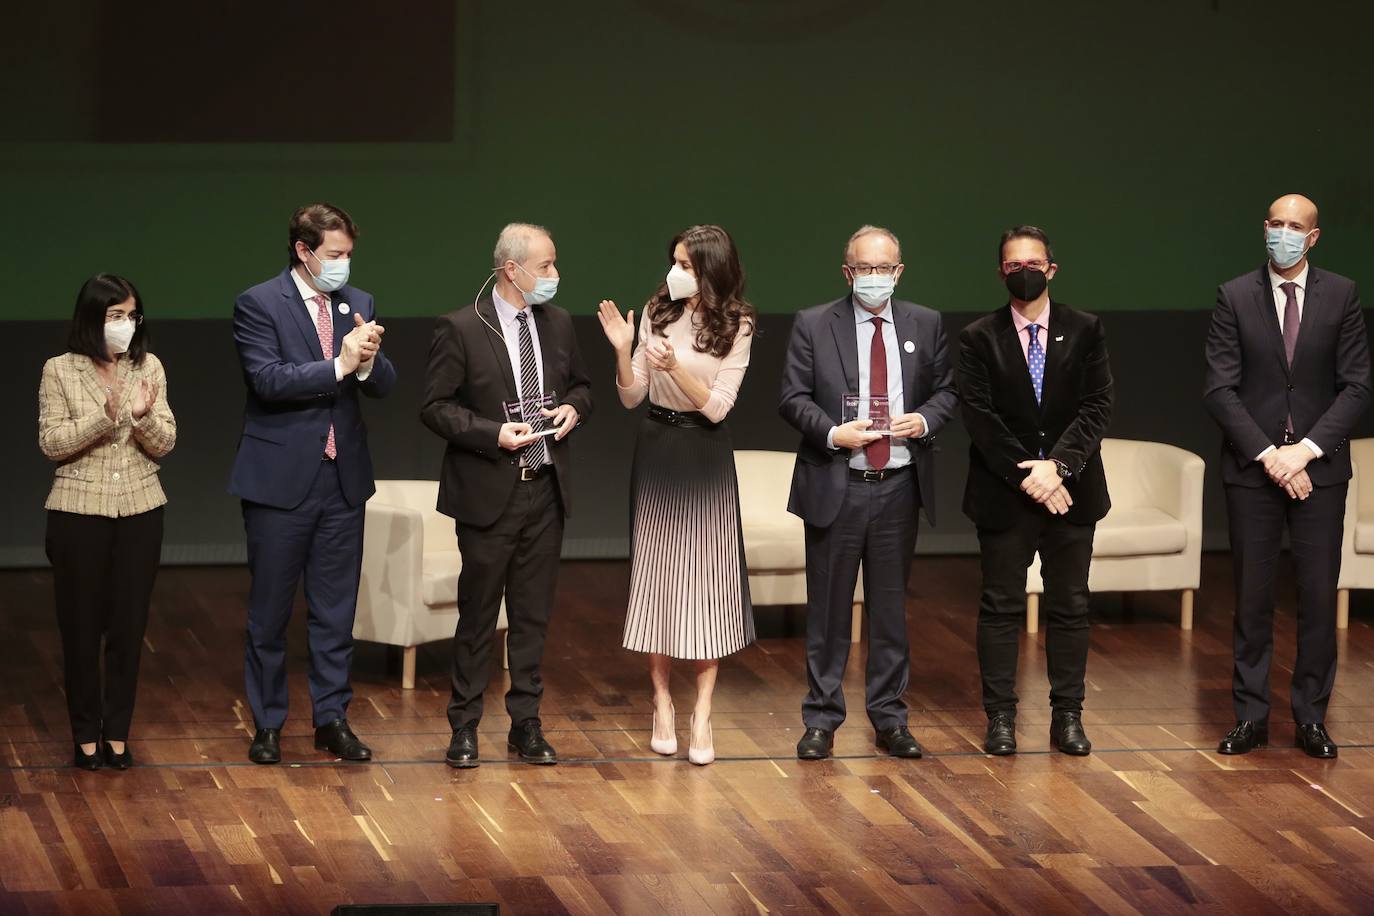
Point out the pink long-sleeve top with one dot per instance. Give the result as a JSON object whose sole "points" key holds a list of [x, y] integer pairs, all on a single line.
{"points": [[722, 376]]}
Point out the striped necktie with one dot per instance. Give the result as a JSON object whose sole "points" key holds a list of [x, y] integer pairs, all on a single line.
{"points": [[536, 454]]}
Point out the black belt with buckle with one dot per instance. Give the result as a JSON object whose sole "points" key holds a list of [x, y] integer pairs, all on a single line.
{"points": [[884, 474], [528, 473], [1290, 437], [687, 419]]}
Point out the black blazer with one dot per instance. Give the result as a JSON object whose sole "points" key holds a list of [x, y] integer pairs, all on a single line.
{"points": [[822, 366], [1007, 427], [1250, 390], [467, 380]]}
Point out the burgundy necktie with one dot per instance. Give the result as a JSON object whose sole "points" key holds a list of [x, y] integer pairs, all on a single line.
{"points": [[877, 452], [1291, 322], [324, 326]]}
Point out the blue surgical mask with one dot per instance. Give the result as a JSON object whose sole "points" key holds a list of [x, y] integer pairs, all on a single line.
{"points": [[545, 288], [1286, 246], [333, 274], [874, 290]]}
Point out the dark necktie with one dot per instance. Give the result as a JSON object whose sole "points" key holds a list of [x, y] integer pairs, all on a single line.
{"points": [[877, 452], [1291, 322], [536, 453]]}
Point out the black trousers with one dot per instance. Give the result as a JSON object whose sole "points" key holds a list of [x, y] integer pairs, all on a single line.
{"points": [[876, 526], [1065, 555], [517, 556], [1257, 516], [103, 573]]}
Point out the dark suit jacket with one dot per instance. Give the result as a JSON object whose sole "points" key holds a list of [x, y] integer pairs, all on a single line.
{"points": [[1007, 427], [468, 379], [1250, 389], [293, 396], [822, 366]]}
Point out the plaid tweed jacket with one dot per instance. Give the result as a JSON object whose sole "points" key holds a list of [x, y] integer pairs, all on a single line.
{"points": [[105, 467]]}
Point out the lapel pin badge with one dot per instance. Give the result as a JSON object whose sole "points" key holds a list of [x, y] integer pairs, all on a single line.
{"points": [[343, 308], [1059, 339], [909, 347]]}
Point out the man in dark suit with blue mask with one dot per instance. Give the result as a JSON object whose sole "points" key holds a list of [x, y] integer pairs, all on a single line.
{"points": [[309, 344], [858, 490]]}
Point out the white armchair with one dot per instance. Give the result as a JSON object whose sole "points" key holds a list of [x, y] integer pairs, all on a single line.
{"points": [[774, 539], [1357, 545], [1151, 539], [408, 595]]}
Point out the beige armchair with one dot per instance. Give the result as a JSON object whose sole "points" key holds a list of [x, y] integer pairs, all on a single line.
{"points": [[408, 595], [1151, 540], [775, 539], [1357, 545]]}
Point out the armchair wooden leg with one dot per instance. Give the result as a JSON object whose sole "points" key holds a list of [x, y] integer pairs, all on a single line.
{"points": [[408, 668], [505, 650], [856, 623], [1032, 613], [1342, 608], [1185, 617]]}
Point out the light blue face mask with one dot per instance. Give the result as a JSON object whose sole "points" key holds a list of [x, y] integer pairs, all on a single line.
{"points": [[333, 274], [874, 290], [545, 288], [1286, 246]]}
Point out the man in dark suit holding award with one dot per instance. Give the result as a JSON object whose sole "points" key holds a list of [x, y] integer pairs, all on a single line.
{"points": [[859, 491], [1287, 378], [1036, 389], [506, 486], [309, 345]]}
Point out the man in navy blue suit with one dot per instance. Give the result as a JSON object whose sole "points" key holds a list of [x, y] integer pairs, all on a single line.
{"points": [[309, 344]]}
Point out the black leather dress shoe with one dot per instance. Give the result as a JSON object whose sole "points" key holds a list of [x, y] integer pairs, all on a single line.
{"points": [[1314, 740], [120, 761], [462, 748], [84, 761], [815, 744], [1067, 735], [266, 746], [1001, 737], [339, 740], [527, 739], [1245, 737], [897, 742]]}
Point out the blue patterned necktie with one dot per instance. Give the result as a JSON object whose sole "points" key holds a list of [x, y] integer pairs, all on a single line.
{"points": [[536, 453], [1035, 358]]}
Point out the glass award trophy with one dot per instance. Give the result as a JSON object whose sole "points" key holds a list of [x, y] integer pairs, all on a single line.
{"points": [[867, 407], [527, 410]]}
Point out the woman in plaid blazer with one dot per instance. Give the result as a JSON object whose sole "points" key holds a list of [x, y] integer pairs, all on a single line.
{"points": [[103, 417]]}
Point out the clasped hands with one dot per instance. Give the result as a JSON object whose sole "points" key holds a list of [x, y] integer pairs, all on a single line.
{"points": [[515, 436], [1287, 467], [1044, 485], [855, 434], [360, 344]]}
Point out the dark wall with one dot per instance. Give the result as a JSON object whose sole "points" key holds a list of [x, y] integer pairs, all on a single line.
{"points": [[1156, 359]]}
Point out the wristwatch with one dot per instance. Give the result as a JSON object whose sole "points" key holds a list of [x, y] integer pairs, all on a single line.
{"points": [[1062, 468]]}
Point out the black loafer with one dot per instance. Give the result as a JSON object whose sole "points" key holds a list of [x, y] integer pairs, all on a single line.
{"points": [[1001, 737], [527, 739], [815, 744], [462, 748], [120, 761], [1314, 740], [1245, 737], [83, 761], [266, 746], [897, 742], [339, 740], [1067, 735]]}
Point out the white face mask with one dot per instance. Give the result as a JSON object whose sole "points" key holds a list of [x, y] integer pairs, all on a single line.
{"points": [[681, 284], [874, 290], [333, 274], [118, 335]]}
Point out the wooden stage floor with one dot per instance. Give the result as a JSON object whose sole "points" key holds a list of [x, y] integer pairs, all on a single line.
{"points": [[1153, 822]]}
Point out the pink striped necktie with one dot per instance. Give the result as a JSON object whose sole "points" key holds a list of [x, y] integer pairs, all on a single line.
{"points": [[324, 326]]}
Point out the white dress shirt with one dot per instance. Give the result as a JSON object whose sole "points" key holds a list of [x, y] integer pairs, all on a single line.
{"points": [[900, 454], [1280, 306], [313, 310], [510, 330]]}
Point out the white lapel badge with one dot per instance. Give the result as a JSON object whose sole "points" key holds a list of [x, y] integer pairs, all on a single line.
{"points": [[909, 347], [343, 310], [1059, 339]]}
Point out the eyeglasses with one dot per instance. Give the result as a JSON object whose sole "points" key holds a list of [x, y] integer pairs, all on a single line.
{"points": [[1011, 267], [135, 317], [868, 270]]}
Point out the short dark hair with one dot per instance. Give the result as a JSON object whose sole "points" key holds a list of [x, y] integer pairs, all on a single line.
{"points": [[87, 332], [1025, 232], [311, 222]]}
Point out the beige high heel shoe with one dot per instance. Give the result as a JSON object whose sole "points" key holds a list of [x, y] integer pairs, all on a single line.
{"points": [[701, 756], [665, 746]]}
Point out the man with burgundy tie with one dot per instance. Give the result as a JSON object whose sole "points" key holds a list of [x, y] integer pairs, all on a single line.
{"points": [[860, 491], [309, 345], [1036, 389], [1287, 378]]}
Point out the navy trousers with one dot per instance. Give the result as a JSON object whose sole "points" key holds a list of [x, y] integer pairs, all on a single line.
{"points": [[322, 540]]}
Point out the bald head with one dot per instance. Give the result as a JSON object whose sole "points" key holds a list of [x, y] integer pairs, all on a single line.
{"points": [[1294, 211]]}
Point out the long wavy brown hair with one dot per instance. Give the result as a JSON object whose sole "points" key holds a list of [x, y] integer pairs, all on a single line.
{"points": [[723, 308]]}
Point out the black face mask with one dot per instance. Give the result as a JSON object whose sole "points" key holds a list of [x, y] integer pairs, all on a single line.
{"points": [[1026, 284]]}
